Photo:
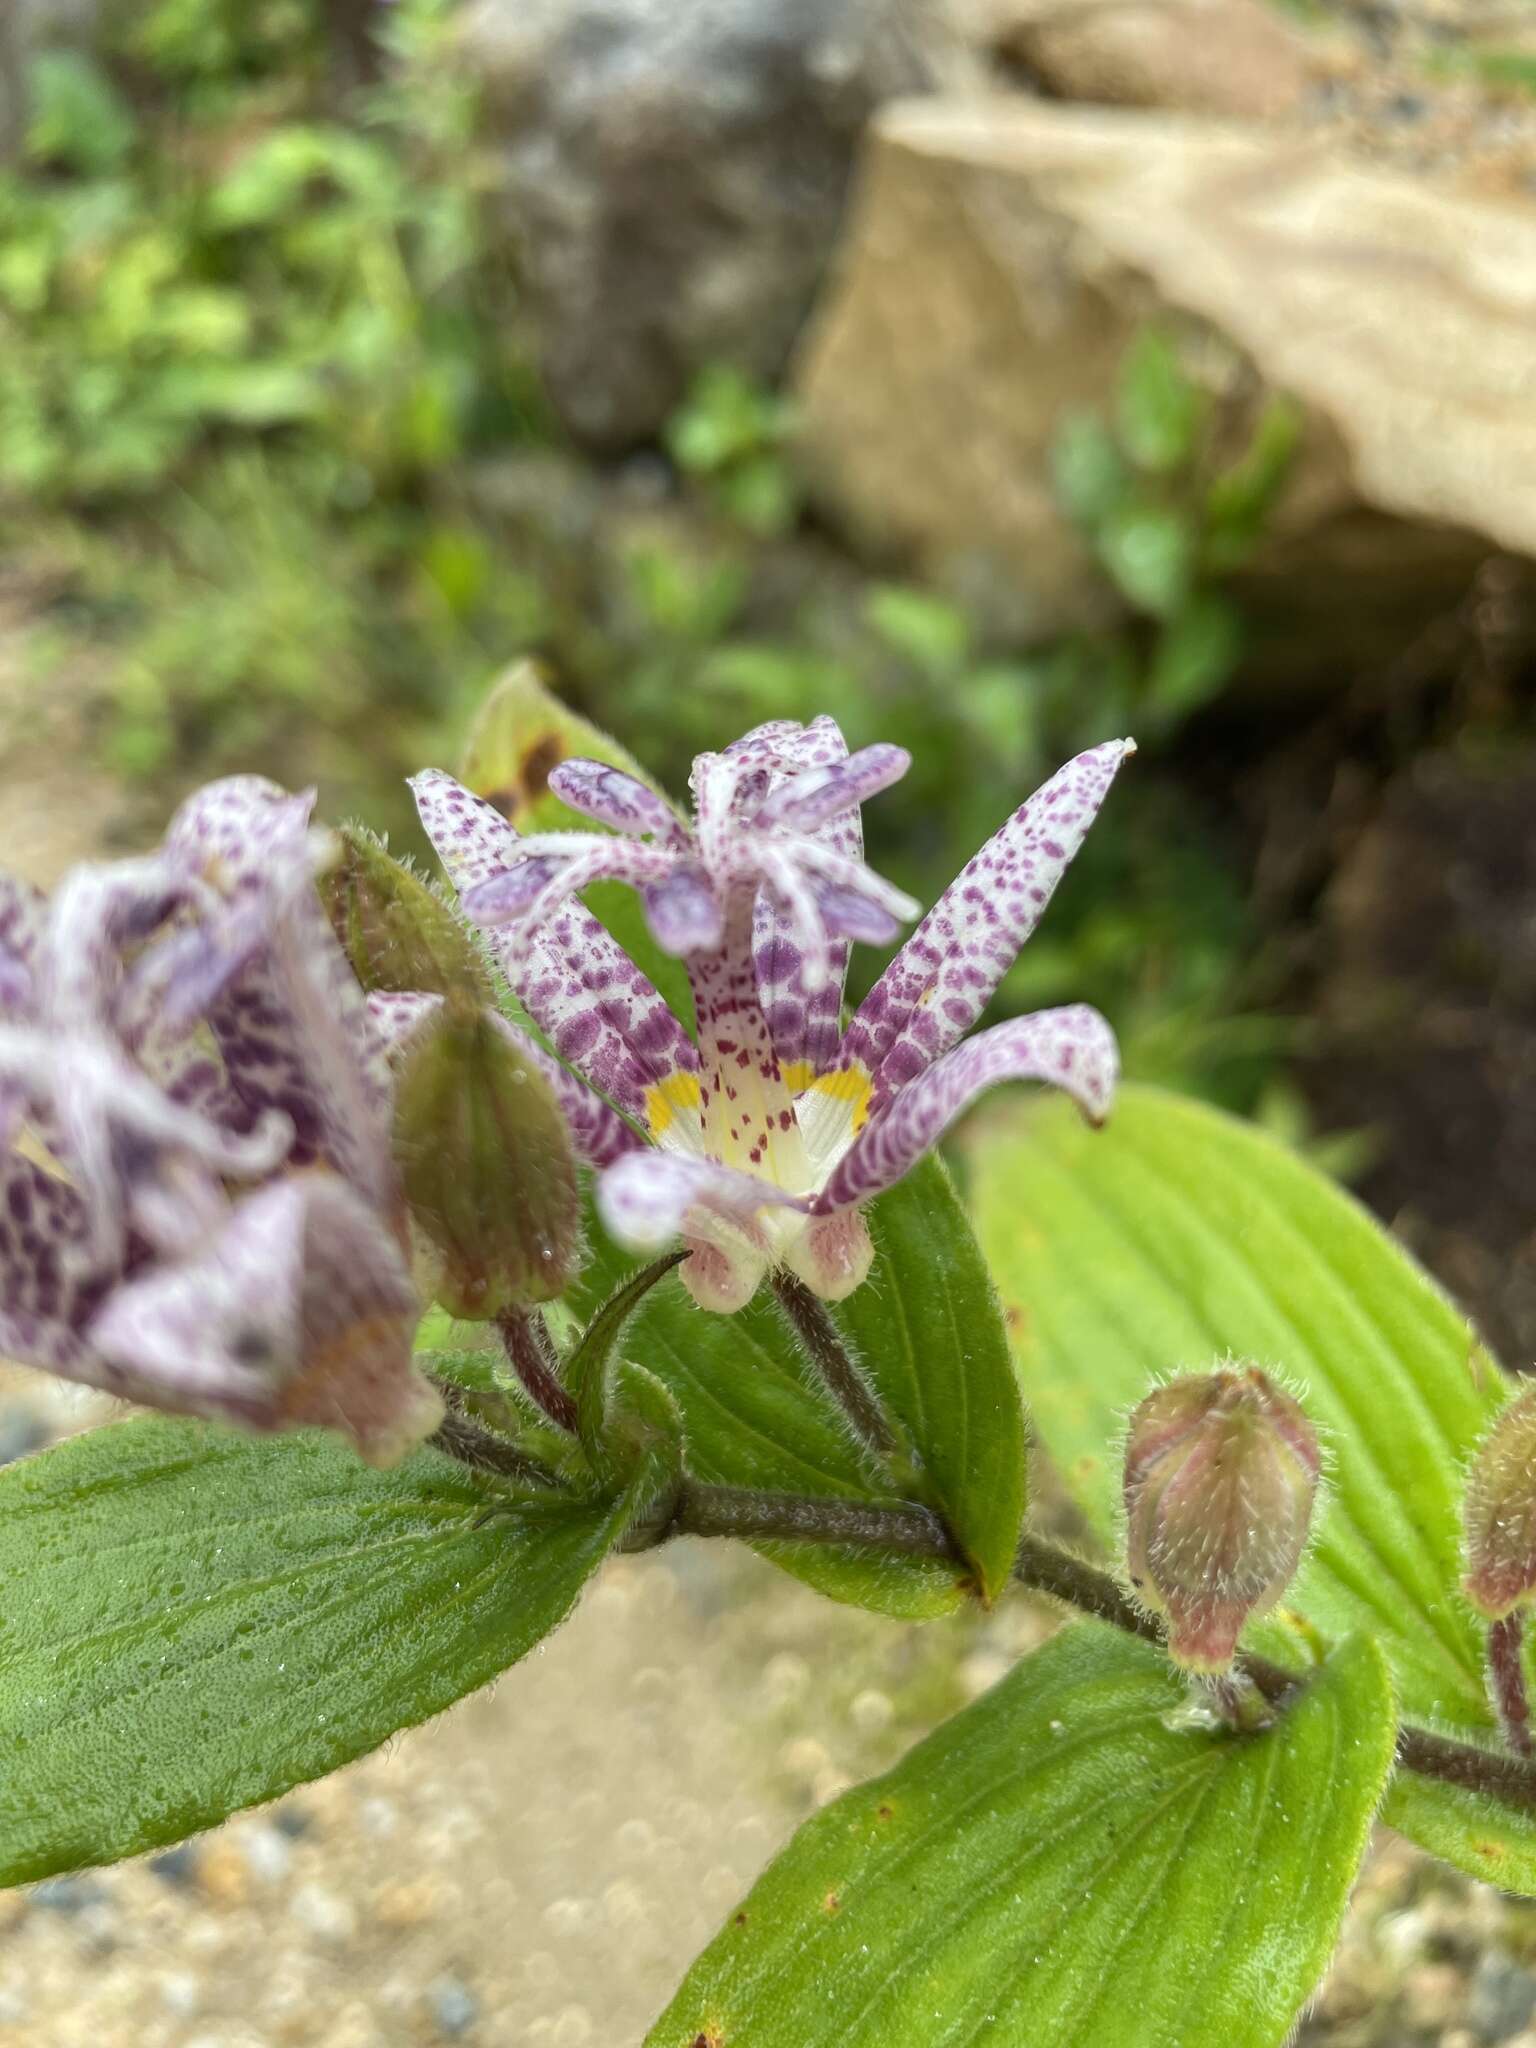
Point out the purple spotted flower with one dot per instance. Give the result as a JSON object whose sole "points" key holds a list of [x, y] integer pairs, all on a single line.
{"points": [[759, 1144], [198, 1204]]}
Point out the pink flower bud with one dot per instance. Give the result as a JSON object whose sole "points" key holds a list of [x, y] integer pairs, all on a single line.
{"points": [[1221, 1473], [1500, 1512]]}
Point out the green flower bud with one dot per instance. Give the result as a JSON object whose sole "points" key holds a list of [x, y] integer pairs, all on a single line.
{"points": [[1500, 1512], [397, 932], [486, 1163], [1221, 1473]]}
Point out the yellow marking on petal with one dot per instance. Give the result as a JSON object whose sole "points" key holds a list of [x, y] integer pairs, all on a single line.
{"points": [[851, 1085], [798, 1075], [666, 1100]]}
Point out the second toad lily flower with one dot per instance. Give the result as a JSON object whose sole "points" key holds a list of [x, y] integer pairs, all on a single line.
{"points": [[763, 1141]]}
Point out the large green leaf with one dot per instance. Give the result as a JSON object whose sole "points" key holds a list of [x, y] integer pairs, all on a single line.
{"points": [[1177, 1236], [927, 1330], [521, 733], [193, 1621], [1063, 1863]]}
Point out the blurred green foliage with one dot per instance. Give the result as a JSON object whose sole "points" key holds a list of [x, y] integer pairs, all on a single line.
{"points": [[1168, 520], [269, 434]]}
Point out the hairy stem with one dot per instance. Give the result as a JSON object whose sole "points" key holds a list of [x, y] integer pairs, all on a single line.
{"points": [[913, 1531], [1506, 1681], [463, 1438], [532, 1357], [842, 1378]]}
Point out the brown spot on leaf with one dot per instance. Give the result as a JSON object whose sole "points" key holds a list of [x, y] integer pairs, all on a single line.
{"points": [[885, 1812], [503, 800], [832, 1903], [741, 1919], [709, 2039], [541, 759], [1491, 1852]]}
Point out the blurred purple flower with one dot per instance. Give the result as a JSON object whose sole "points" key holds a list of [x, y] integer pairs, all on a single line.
{"points": [[198, 1205]]}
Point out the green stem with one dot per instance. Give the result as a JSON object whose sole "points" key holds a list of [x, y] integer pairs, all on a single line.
{"points": [[909, 1530]]}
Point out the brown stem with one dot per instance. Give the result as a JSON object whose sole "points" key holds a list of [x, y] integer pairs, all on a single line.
{"points": [[1506, 1681], [913, 1531], [843, 1380], [463, 1438], [532, 1357]]}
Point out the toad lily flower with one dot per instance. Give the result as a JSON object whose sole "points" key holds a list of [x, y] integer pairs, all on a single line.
{"points": [[763, 1141], [199, 1207]]}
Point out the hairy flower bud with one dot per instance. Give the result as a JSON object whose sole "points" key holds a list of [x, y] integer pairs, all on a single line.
{"points": [[1500, 1513], [486, 1163], [397, 932], [1220, 1475]]}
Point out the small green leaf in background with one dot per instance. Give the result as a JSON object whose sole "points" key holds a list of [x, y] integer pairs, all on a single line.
{"points": [[1157, 407], [1481, 1835], [1149, 552], [1240, 500], [1195, 655], [1177, 1236], [77, 119], [1064, 1862], [193, 1621], [1088, 470], [927, 1330], [522, 732]]}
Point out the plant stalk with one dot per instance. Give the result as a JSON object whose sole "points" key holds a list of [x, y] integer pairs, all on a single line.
{"points": [[842, 1378], [532, 1357], [910, 1530], [1506, 1681], [463, 1438]]}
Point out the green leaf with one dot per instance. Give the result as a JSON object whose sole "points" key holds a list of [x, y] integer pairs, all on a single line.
{"points": [[522, 732], [1195, 655], [1178, 1236], [927, 1331], [77, 117], [1157, 407], [588, 1371], [1087, 468], [1479, 1834], [1064, 1862], [193, 1621], [1149, 552], [1240, 500]]}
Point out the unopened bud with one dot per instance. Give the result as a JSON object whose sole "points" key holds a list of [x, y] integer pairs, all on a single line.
{"points": [[396, 931], [486, 1163], [1500, 1513], [1220, 1476]]}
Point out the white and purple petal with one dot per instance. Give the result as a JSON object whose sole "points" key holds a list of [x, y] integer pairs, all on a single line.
{"points": [[583, 991], [614, 799], [944, 976], [651, 1198], [300, 1312], [1072, 1049]]}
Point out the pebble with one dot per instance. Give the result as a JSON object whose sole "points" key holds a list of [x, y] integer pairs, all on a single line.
{"points": [[178, 1866], [20, 1432], [67, 1894], [1502, 1999], [453, 2006], [269, 1852], [323, 1912]]}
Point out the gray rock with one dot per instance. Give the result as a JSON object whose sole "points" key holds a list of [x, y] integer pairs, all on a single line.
{"points": [[996, 266], [675, 175]]}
